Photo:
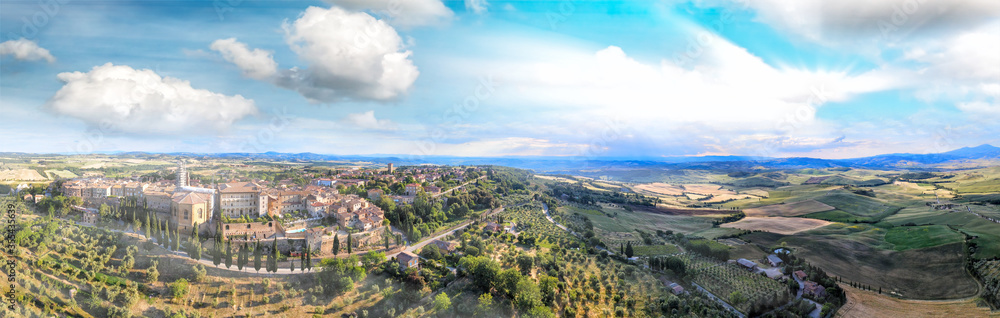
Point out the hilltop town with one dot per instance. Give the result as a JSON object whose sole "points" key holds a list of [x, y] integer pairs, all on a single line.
{"points": [[321, 212]]}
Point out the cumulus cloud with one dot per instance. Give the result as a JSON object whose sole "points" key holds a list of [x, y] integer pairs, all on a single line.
{"points": [[27, 50], [477, 6], [367, 120], [351, 55], [408, 13], [255, 63], [142, 102]]}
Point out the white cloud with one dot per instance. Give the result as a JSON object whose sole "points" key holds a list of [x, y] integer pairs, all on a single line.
{"points": [[257, 64], [853, 20], [477, 6], [405, 13], [367, 120], [27, 50], [120, 98], [351, 55]]}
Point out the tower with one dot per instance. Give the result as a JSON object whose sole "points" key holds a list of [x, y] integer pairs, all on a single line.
{"points": [[390, 168], [182, 175]]}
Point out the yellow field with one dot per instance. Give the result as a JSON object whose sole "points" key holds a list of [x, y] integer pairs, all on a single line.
{"points": [[706, 189], [659, 188], [865, 304], [21, 174], [780, 225], [789, 209]]}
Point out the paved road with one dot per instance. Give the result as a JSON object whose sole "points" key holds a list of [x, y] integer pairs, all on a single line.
{"points": [[718, 300], [426, 241], [457, 187]]}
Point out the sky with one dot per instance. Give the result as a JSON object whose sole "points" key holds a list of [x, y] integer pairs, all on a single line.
{"points": [[586, 79]]}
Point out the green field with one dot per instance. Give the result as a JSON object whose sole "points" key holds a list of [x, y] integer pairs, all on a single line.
{"points": [[652, 250], [853, 208], [911, 237]]}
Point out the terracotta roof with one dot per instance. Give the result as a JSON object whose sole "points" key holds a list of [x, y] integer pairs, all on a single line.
{"points": [[406, 256], [190, 197], [239, 187]]}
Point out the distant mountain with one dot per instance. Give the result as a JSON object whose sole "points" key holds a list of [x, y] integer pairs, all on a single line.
{"points": [[978, 152], [965, 157], [906, 160]]}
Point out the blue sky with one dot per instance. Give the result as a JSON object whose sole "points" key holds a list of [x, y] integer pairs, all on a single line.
{"points": [[493, 78]]}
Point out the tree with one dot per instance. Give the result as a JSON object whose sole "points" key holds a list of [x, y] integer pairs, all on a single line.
{"points": [[152, 274], [349, 243], [309, 262], [256, 256], [177, 239], [336, 244], [229, 253], [526, 294], [442, 302], [199, 272], [628, 250], [302, 259], [274, 252], [179, 288], [525, 262], [217, 251], [485, 304], [240, 257]]}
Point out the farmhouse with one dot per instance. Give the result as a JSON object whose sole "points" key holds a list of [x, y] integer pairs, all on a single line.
{"points": [[748, 264], [492, 227], [448, 247], [800, 275], [408, 260], [814, 289], [774, 260]]}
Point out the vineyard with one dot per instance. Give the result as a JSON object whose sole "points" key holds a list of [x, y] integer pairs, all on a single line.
{"points": [[989, 273], [531, 221], [746, 291]]}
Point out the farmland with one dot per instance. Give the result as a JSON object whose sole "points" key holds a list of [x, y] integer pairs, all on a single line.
{"points": [[780, 225], [911, 237], [739, 287], [790, 209], [864, 304]]}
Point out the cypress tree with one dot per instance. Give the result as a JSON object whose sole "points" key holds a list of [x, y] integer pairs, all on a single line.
{"points": [[349, 244], [256, 256], [229, 254], [302, 258], [336, 244], [309, 262], [217, 251], [145, 227], [274, 255], [240, 261]]}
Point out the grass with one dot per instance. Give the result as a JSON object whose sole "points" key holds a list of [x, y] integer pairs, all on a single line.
{"points": [[911, 237], [859, 253], [987, 233], [652, 250], [862, 303]]}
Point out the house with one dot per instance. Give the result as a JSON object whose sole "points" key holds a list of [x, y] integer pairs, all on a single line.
{"points": [[814, 289], [800, 274], [448, 247], [408, 260], [774, 260], [747, 263], [677, 289], [412, 189], [432, 189], [375, 194], [492, 227], [90, 216], [323, 182]]}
